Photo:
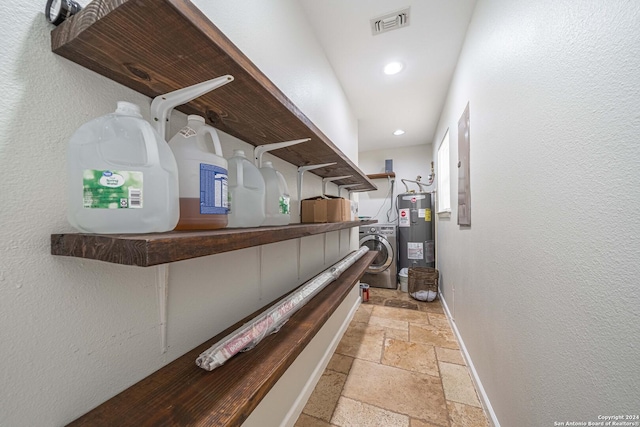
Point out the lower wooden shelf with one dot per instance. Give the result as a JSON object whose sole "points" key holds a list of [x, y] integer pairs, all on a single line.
{"points": [[182, 394], [145, 250], [381, 175]]}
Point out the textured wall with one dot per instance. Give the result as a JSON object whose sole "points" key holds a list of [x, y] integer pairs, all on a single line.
{"points": [[408, 163], [74, 333], [544, 285]]}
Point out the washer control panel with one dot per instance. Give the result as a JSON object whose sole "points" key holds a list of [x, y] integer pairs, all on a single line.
{"points": [[384, 230], [380, 230]]}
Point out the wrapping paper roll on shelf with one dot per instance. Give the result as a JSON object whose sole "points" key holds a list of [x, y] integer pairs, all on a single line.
{"points": [[249, 335]]}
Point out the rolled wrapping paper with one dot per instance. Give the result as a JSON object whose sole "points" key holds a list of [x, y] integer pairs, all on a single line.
{"points": [[250, 334]]}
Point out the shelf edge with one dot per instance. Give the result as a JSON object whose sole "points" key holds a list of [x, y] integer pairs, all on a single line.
{"points": [[381, 175], [146, 250]]}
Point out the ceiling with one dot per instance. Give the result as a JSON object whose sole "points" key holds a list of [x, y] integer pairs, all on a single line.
{"points": [[428, 47]]}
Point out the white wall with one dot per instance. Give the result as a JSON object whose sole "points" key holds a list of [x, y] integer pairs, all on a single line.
{"points": [[408, 163], [75, 332], [544, 285], [291, 56]]}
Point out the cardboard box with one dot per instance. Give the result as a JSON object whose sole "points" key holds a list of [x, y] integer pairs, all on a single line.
{"points": [[338, 210], [314, 210], [330, 209]]}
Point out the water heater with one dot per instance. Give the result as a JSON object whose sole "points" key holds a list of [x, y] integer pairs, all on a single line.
{"points": [[416, 246]]}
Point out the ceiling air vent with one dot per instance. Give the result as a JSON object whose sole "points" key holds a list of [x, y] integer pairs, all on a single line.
{"points": [[390, 21]]}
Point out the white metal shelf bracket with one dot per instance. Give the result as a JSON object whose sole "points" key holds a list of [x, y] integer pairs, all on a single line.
{"points": [[340, 187], [301, 171], [161, 108], [260, 272], [162, 291], [332, 178], [324, 194], [299, 244], [162, 105], [261, 149]]}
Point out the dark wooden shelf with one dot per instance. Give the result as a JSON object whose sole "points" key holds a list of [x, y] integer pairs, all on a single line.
{"points": [[182, 394], [145, 250], [157, 46], [381, 175]]}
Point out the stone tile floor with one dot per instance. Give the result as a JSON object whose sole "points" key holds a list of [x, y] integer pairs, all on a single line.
{"points": [[398, 364]]}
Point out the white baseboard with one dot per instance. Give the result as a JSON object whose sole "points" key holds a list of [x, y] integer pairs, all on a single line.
{"points": [[297, 407], [474, 374]]}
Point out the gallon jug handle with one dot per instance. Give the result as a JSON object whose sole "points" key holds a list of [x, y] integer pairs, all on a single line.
{"points": [[240, 174], [150, 142], [217, 148]]}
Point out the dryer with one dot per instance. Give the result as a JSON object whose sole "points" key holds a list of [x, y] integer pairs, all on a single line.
{"points": [[382, 273]]}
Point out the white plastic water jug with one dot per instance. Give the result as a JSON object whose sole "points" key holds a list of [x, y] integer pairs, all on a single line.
{"points": [[203, 176], [246, 192], [276, 196], [122, 176]]}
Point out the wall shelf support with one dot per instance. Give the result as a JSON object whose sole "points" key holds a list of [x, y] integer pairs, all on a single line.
{"points": [[261, 149], [340, 187], [301, 171], [162, 293], [162, 105], [333, 178]]}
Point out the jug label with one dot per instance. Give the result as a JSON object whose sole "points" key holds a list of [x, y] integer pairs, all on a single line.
{"points": [[106, 189], [213, 190], [187, 132], [284, 205]]}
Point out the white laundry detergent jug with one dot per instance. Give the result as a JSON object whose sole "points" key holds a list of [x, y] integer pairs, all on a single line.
{"points": [[203, 176], [276, 196], [246, 192], [122, 176]]}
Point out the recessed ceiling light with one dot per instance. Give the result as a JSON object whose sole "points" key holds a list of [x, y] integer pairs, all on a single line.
{"points": [[393, 68], [398, 132]]}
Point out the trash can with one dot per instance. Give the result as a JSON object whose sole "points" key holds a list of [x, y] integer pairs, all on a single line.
{"points": [[404, 279], [423, 283]]}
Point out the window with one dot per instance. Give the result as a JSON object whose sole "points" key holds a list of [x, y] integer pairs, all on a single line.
{"points": [[444, 180]]}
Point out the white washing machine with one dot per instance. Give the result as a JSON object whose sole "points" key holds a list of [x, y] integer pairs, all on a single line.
{"points": [[382, 273]]}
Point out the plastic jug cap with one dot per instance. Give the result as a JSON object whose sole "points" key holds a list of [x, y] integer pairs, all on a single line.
{"points": [[127, 108], [239, 153], [195, 118]]}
